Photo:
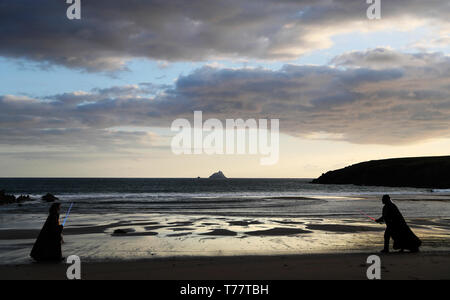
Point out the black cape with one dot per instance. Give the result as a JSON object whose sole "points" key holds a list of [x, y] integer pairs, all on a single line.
{"points": [[48, 244], [400, 232]]}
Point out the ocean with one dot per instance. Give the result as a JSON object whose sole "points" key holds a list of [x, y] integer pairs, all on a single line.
{"points": [[198, 217], [230, 197]]}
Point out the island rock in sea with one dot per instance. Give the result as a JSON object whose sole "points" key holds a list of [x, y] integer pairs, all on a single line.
{"points": [[218, 175]]}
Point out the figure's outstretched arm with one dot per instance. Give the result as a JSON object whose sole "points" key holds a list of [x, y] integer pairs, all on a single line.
{"points": [[380, 220]]}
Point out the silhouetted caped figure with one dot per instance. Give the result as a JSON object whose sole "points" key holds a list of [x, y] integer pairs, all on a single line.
{"points": [[397, 228], [48, 244]]}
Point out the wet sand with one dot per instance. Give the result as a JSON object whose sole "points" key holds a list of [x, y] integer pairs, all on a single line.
{"points": [[205, 247], [294, 267], [277, 231], [342, 228], [276, 227]]}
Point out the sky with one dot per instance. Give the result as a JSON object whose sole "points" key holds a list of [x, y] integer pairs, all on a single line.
{"points": [[96, 97]]}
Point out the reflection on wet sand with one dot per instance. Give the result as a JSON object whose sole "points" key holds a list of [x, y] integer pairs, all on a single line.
{"points": [[155, 235]]}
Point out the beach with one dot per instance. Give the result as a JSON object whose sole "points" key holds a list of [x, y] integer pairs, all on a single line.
{"points": [[221, 248], [423, 266], [232, 140], [185, 230], [142, 236]]}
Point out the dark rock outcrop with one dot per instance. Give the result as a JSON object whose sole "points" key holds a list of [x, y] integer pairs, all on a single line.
{"points": [[23, 198], [218, 175], [420, 172], [6, 199], [49, 198], [9, 199]]}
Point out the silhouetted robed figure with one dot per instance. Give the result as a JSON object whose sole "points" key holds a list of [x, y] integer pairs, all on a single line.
{"points": [[397, 228], [48, 244]]}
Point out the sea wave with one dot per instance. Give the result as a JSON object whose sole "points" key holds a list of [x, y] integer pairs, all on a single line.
{"points": [[444, 191]]}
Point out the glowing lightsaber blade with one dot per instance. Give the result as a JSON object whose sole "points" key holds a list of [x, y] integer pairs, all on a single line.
{"points": [[67, 214], [363, 213]]}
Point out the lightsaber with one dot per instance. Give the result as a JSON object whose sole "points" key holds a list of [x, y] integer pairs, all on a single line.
{"points": [[363, 213], [67, 214]]}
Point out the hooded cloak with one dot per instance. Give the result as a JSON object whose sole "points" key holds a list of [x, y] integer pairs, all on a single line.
{"points": [[48, 244], [400, 232]]}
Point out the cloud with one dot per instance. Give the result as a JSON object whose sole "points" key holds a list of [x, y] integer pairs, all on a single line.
{"points": [[80, 138], [382, 58], [378, 96], [111, 33]]}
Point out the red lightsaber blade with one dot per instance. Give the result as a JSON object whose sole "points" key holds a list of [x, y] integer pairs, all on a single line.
{"points": [[363, 213]]}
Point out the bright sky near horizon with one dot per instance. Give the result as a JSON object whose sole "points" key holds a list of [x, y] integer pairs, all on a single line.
{"points": [[96, 97]]}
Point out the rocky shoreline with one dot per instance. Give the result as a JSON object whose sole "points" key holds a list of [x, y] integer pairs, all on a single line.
{"points": [[417, 172]]}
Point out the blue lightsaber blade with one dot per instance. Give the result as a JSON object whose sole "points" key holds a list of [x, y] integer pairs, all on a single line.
{"points": [[67, 214]]}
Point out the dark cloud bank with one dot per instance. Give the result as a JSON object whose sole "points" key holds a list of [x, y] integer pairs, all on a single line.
{"points": [[378, 96], [114, 31]]}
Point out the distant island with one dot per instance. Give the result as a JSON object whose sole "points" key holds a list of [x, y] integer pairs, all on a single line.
{"points": [[419, 172], [218, 175]]}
